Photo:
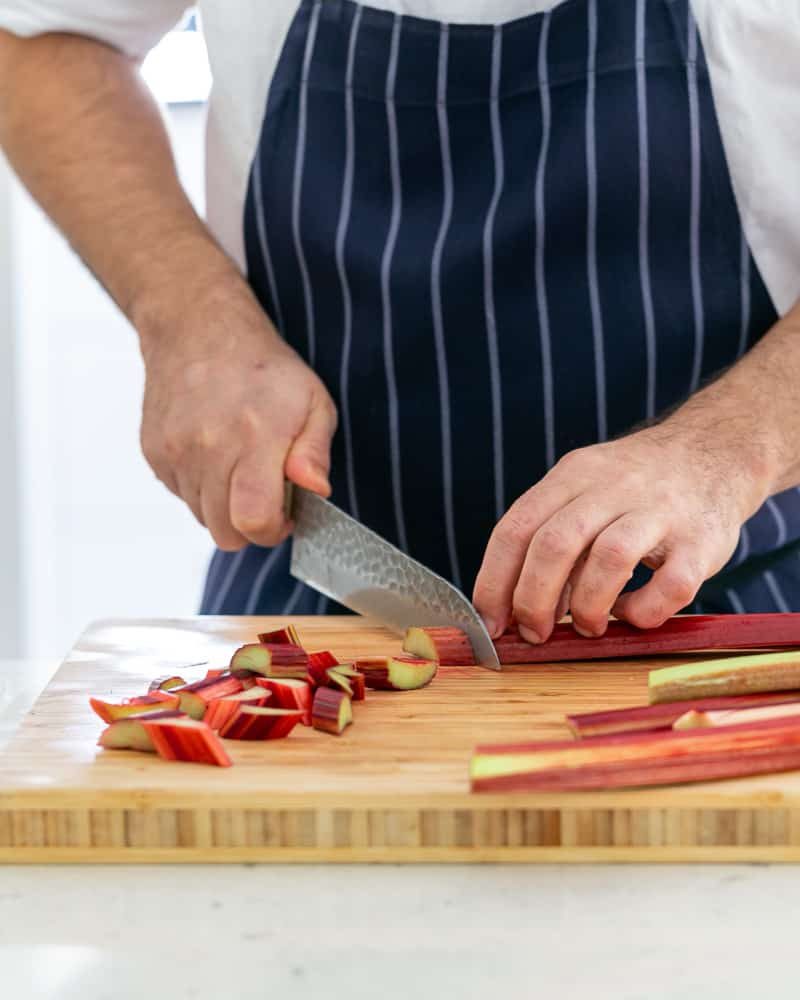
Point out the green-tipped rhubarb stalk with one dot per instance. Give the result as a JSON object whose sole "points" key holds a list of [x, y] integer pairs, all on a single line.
{"points": [[735, 675], [448, 646], [639, 759]]}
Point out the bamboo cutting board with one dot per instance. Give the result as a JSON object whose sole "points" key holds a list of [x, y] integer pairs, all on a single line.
{"points": [[393, 788]]}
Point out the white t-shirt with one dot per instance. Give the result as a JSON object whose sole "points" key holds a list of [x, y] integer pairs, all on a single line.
{"points": [[752, 49]]}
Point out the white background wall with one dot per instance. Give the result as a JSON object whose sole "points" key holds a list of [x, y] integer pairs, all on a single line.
{"points": [[99, 536]]}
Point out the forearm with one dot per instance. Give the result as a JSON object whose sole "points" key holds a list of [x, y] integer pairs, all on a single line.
{"points": [[753, 412], [85, 136]]}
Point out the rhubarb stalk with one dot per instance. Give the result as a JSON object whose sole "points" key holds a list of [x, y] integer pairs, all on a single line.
{"points": [[734, 675], [639, 759]]}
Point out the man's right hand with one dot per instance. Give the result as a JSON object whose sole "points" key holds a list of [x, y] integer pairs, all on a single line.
{"points": [[230, 412]]}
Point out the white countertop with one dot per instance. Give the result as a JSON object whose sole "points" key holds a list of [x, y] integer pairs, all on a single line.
{"points": [[235, 932]]}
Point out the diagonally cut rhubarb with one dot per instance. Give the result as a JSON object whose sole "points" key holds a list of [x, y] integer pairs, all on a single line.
{"points": [[663, 715], [287, 636], [734, 675], [738, 717], [639, 759], [332, 711], [450, 646]]}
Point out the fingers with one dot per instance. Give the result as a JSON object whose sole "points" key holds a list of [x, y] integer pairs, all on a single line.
{"points": [[215, 504], [256, 497], [610, 564], [503, 560], [189, 493], [551, 558], [670, 589], [308, 461]]}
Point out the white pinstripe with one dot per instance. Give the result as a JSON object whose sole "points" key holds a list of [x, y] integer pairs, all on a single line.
{"points": [[227, 583], [436, 299], [735, 600], [261, 227], [644, 209], [386, 300], [541, 288], [775, 590], [694, 208], [288, 608], [258, 583], [297, 181], [591, 230], [341, 236], [744, 292], [488, 276]]}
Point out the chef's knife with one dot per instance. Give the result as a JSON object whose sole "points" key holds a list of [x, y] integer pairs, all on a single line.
{"points": [[347, 562]]}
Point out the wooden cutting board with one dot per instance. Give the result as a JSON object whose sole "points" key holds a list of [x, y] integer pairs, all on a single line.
{"points": [[393, 788]]}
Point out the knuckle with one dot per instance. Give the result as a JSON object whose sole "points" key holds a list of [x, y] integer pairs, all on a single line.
{"points": [[649, 615], [513, 529], [526, 613], [614, 555], [552, 543], [679, 586], [250, 420]]}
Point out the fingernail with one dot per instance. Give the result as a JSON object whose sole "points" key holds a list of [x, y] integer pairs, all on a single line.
{"points": [[491, 627], [585, 632], [529, 635]]}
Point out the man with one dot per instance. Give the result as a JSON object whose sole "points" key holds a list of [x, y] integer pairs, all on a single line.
{"points": [[538, 260]]}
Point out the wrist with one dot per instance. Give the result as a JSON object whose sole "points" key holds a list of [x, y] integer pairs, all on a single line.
{"points": [[729, 439], [208, 308]]}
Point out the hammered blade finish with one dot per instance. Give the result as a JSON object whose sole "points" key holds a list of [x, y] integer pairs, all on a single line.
{"points": [[351, 564]]}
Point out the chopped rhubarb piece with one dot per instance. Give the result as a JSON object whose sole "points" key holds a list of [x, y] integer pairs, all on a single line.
{"points": [[449, 646], [318, 665], [396, 673], [140, 705], [166, 683], [276, 660], [663, 716], [222, 709], [195, 698], [252, 723], [332, 711], [213, 673], [291, 693], [354, 678], [186, 740], [639, 759], [679, 634], [131, 734], [733, 675], [738, 717], [339, 682], [281, 636]]}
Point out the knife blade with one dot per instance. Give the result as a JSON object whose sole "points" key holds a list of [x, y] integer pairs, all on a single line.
{"points": [[346, 561]]}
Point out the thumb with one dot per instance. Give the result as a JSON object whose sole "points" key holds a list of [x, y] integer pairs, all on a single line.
{"points": [[308, 460]]}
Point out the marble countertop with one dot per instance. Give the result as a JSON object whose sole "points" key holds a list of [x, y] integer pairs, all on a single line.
{"points": [[380, 933]]}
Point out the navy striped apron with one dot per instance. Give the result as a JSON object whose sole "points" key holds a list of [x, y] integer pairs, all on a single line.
{"points": [[496, 244]]}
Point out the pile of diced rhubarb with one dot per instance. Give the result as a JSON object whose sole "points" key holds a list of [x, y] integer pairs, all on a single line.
{"points": [[269, 687]]}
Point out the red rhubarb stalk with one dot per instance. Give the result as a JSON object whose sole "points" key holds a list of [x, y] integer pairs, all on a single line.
{"points": [[252, 723], [318, 665], [165, 683], [396, 673], [281, 636], [142, 704], [332, 711], [195, 698], [730, 676], [355, 679], [449, 646], [639, 759], [131, 733], [738, 717], [186, 740], [680, 634], [290, 693], [221, 710], [662, 716]]}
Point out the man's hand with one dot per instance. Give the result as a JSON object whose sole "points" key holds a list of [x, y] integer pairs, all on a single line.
{"points": [[672, 496], [229, 412]]}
